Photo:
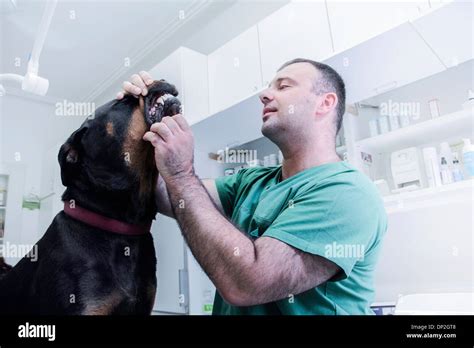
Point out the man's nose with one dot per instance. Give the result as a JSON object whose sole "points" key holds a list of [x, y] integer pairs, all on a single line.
{"points": [[266, 96]]}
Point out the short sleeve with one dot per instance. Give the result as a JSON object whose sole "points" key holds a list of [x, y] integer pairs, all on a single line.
{"points": [[227, 188], [339, 223]]}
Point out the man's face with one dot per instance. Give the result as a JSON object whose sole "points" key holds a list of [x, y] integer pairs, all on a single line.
{"points": [[289, 102]]}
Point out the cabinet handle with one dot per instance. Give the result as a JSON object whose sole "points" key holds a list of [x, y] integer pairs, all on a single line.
{"points": [[386, 87]]}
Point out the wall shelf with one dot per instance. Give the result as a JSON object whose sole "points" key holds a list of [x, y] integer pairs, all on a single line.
{"points": [[456, 124], [446, 194]]}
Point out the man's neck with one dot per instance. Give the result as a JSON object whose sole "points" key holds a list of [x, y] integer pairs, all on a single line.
{"points": [[298, 160]]}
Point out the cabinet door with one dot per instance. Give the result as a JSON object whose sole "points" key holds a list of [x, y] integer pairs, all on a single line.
{"points": [[353, 22], [196, 86], [187, 70], [170, 268], [388, 61], [234, 71], [452, 42], [297, 30]]}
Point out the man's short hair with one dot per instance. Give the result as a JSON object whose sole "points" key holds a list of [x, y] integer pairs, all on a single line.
{"points": [[330, 81]]}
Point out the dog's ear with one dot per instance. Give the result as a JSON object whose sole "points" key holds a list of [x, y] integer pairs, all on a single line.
{"points": [[70, 155], [161, 101]]}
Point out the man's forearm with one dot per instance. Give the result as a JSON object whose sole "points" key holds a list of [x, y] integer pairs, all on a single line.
{"points": [[162, 198], [224, 252]]}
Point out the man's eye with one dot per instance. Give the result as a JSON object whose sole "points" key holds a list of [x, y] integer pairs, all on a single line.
{"points": [[283, 86]]}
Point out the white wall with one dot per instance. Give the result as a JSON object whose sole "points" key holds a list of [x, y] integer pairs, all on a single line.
{"points": [[29, 129]]}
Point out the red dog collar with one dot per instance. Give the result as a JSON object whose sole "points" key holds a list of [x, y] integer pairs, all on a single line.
{"points": [[104, 223]]}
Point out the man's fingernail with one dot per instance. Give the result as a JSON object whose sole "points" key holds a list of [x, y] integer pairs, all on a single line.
{"points": [[138, 90], [144, 91], [149, 82]]}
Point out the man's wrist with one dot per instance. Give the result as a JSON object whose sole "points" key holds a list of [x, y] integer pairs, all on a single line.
{"points": [[181, 179]]}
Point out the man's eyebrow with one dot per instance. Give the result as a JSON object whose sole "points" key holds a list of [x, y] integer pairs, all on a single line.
{"points": [[283, 78]]}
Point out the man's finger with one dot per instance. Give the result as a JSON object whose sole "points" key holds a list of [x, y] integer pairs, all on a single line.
{"points": [[162, 130], [140, 83], [120, 95], [171, 123], [153, 138], [181, 121], [129, 88], [146, 77]]}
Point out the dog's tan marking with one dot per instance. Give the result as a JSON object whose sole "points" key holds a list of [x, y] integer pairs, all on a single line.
{"points": [[104, 306], [110, 129], [139, 154]]}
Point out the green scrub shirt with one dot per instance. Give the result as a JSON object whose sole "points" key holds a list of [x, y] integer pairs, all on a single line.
{"points": [[332, 210]]}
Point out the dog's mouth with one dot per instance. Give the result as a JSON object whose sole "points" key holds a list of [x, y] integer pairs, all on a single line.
{"points": [[161, 106]]}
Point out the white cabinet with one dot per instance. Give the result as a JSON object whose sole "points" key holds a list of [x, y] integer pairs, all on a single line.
{"points": [[234, 71], [449, 31], [187, 70], [297, 30], [353, 22], [388, 61], [172, 289]]}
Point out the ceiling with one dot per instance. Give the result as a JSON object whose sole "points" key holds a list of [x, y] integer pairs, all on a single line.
{"points": [[93, 45]]}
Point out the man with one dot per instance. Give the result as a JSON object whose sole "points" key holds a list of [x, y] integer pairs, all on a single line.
{"points": [[302, 238]]}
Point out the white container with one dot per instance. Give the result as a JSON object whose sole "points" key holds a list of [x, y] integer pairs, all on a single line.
{"points": [[446, 174], [445, 151], [394, 123], [374, 131], [457, 172], [254, 163], [383, 124], [469, 104], [468, 157], [430, 157], [266, 161], [272, 160]]}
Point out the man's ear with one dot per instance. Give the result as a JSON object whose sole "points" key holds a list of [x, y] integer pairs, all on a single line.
{"points": [[327, 103], [70, 155]]}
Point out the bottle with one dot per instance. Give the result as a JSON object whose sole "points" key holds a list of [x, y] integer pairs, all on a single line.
{"points": [[457, 172], [468, 156], [445, 151], [469, 104], [433, 172], [446, 175]]}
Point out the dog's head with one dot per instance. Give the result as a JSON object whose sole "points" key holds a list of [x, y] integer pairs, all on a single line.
{"points": [[107, 159]]}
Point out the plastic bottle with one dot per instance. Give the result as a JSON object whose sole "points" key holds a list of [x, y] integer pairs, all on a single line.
{"points": [[446, 175], [468, 156], [457, 172]]}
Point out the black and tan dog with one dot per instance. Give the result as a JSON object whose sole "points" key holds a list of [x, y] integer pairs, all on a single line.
{"points": [[97, 256]]}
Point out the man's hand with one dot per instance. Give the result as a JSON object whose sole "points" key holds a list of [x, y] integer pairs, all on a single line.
{"points": [[137, 85], [174, 147]]}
